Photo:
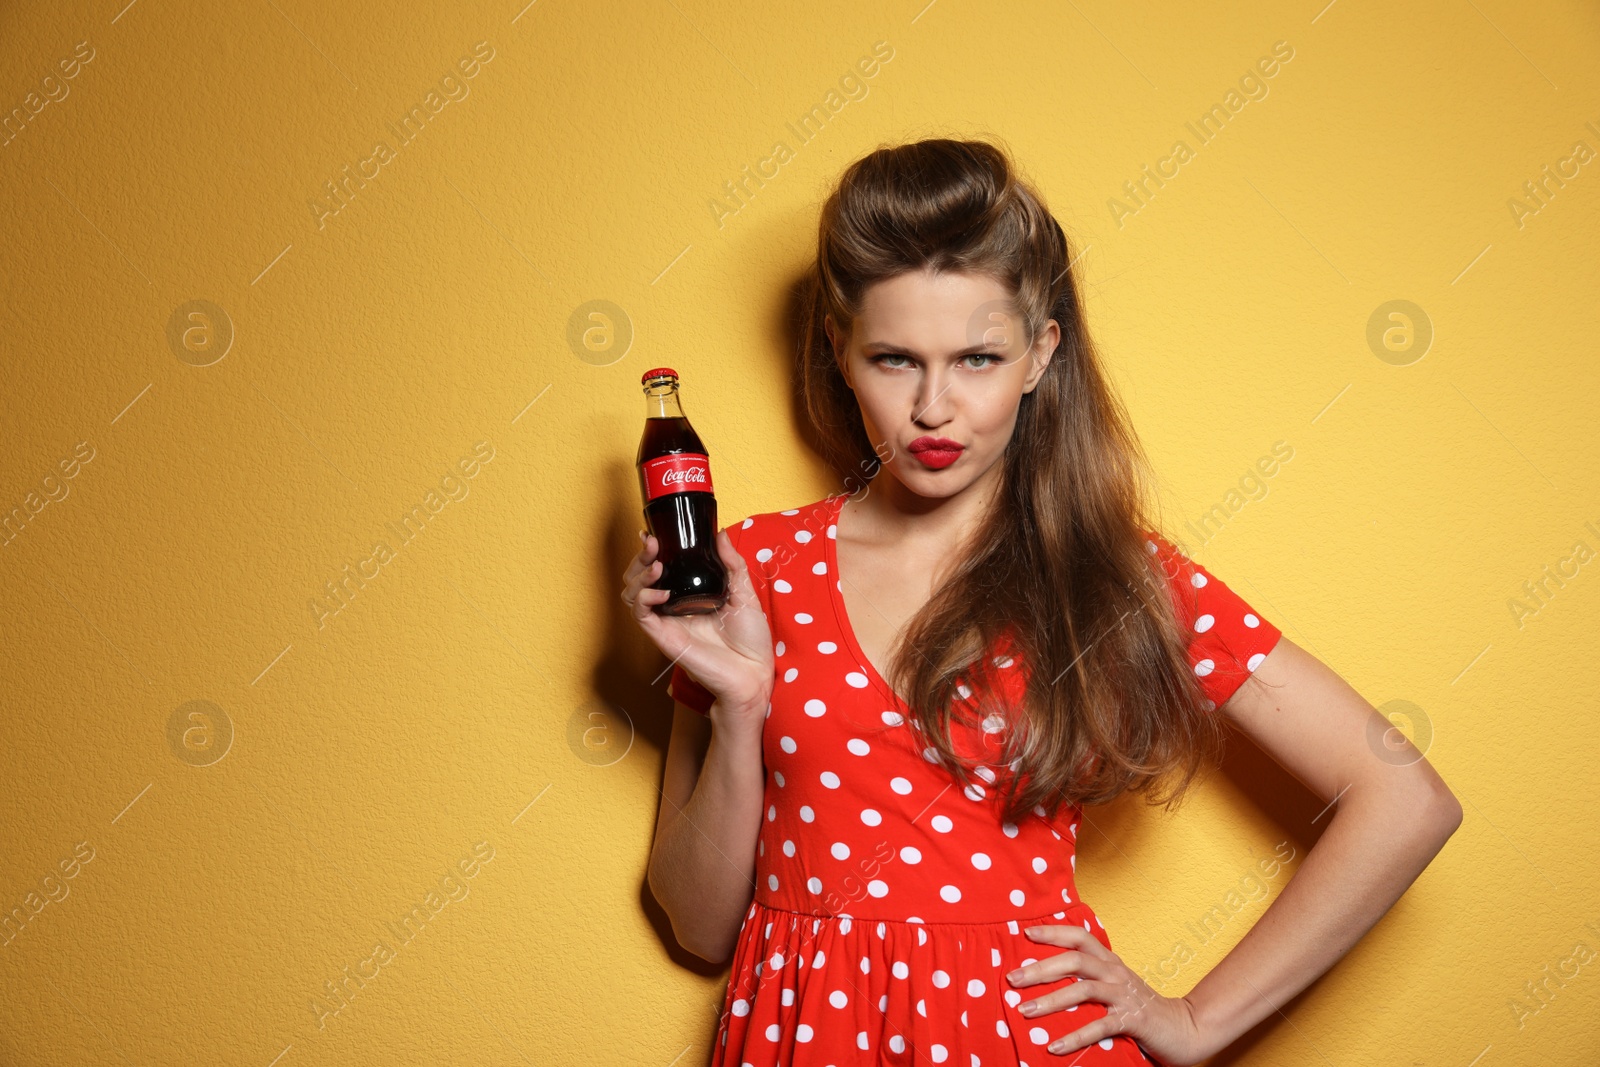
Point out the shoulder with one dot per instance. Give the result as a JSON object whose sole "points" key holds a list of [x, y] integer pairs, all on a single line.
{"points": [[796, 525]]}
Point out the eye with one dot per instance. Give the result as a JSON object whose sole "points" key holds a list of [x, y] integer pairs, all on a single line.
{"points": [[884, 356], [986, 355]]}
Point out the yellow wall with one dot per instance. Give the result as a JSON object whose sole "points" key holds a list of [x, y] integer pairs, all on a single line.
{"points": [[484, 690]]}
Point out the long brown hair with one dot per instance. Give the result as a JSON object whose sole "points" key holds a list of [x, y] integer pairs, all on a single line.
{"points": [[1061, 564]]}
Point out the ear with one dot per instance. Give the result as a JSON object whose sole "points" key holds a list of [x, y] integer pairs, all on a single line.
{"points": [[1043, 350]]}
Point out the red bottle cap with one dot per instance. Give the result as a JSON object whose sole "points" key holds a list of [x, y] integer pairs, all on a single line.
{"points": [[658, 372]]}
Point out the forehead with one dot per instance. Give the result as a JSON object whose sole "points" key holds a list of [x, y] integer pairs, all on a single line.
{"points": [[926, 311]]}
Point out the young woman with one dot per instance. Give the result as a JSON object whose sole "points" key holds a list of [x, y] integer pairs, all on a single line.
{"points": [[883, 743]]}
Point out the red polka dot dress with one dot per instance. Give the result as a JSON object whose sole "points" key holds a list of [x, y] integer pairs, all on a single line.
{"points": [[890, 902]]}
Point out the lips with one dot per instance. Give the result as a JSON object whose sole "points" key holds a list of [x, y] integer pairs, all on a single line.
{"points": [[935, 452]]}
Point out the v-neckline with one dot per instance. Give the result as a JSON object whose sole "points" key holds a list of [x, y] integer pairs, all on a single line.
{"points": [[842, 615]]}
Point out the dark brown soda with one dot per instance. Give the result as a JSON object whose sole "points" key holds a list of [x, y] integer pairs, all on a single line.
{"points": [[684, 525]]}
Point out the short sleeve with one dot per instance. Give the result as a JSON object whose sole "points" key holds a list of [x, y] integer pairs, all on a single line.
{"points": [[681, 686], [1228, 638]]}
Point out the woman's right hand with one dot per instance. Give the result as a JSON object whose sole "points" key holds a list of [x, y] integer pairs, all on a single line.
{"points": [[729, 652]]}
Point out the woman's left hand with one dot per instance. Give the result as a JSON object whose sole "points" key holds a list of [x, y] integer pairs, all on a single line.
{"points": [[1165, 1027]]}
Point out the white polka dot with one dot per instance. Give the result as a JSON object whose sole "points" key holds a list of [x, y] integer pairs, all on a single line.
{"points": [[1105, 1042], [787, 744], [777, 776], [814, 884], [763, 555], [1039, 1035], [900, 969], [938, 1053], [788, 848], [1204, 623], [1009, 829], [866, 965], [1018, 897], [858, 747], [741, 1008], [777, 960], [861, 1040], [994, 724], [802, 1033], [838, 998], [820, 567], [877, 888], [941, 979], [897, 1044], [1197, 579], [942, 823], [974, 791], [772, 813], [1204, 667], [778, 650], [986, 774], [1150, 546], [806, 814], [1255, 661], [802, 536], [963, 692], [802, 618], [949, 893], [1001, 1028], [910, 855], [830, 779], [816, 708], [747, 523], [782, 586], [930, 754], [981, 861], [976, 988], [856, 679], [900, 785], [840, 850], [893, 718], [1039, 864], [772, 882], [773, 1032], [790, 675], [1066, 897], [871, 817], [1251, 621]]}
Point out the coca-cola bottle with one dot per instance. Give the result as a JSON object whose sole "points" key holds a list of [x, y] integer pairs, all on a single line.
{"points": [[680, 509]]}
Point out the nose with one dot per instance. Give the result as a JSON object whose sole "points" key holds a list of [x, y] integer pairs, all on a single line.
{"points": [[932, 405]]}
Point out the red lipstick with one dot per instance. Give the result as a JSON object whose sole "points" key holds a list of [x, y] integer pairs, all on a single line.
{"points": [[935, 453]]}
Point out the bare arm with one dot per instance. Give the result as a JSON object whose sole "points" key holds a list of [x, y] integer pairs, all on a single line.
{"points": [[1394, 813], [702, 865]]}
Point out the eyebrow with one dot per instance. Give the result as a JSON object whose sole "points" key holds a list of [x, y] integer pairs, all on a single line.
{"points": [[900, 350]]}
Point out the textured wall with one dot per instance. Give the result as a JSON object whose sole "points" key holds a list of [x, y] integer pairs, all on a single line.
{"points": [[279, 275]]}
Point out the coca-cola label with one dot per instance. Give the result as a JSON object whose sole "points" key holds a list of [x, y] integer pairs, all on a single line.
{"points": [[680, 472]]}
